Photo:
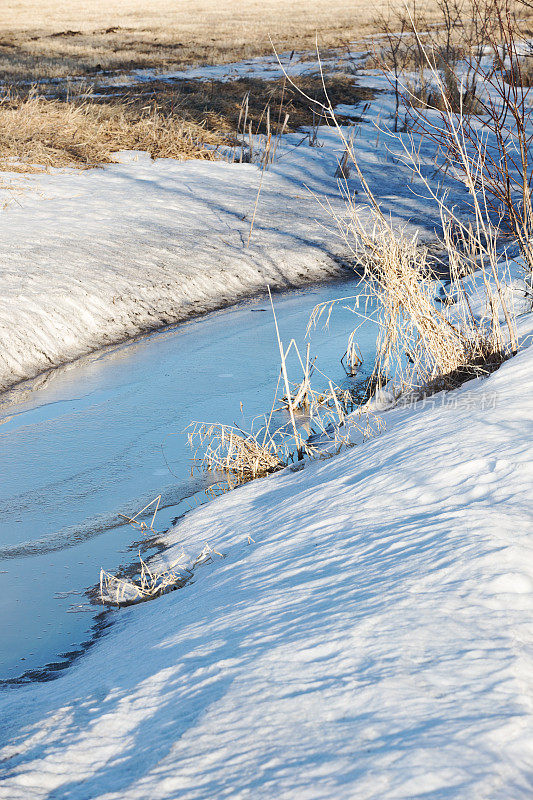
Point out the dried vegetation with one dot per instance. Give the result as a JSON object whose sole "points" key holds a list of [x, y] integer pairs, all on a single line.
{"points": [[38, 132], [49, 39]]}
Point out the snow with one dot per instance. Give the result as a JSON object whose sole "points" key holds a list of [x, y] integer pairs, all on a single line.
{"points": [[80, 269], [373, 641], [270, 67]]}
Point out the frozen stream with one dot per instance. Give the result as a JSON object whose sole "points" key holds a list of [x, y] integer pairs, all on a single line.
{"points": [[87, 443]]}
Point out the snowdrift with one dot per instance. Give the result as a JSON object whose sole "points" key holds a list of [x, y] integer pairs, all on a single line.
{"points": [[372, 643]]}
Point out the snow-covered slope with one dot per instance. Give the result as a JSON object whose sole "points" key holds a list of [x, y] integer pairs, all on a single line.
{"points": [[91, 258], [374, 641]]}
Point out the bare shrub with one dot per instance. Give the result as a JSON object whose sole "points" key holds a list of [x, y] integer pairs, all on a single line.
{"points": [[453, 40], [490, 155], [451, 92], [421, 346], [523, 71]]}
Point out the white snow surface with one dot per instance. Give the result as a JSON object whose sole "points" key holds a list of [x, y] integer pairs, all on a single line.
{"points": [[81, 268], [373, 641], [90, 258]]}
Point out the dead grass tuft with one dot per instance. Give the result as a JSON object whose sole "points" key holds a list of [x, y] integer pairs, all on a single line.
{"points": [[238, 455], [53, 133], [119, 591], [425, 348], [219, 104]]}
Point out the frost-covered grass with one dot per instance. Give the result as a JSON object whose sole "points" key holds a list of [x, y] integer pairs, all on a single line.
{"points": [[151, 582]]}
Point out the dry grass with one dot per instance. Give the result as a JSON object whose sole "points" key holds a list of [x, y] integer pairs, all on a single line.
{"points": [[425, 345], [167, 120], [51, 39], [126, 590], [427, 349], [54, 133], [240, 456], [318, 403], [119, 591], [352, 358], [151, 583], [219, 104], [244, 456]]}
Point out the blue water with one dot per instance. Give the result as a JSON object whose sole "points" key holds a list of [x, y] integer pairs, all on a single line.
{"points": [[105, 435]]}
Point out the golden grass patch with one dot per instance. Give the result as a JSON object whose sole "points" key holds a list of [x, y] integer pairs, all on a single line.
{"points": [[219, 104], [185, 119], [38, 132]]}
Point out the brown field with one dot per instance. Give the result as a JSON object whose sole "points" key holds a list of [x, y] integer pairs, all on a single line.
{"points": [[52, 38], [46, 41]]}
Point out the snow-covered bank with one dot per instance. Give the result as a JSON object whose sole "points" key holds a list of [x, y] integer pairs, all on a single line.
{"points": [[92, 258], [373, 642]]}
